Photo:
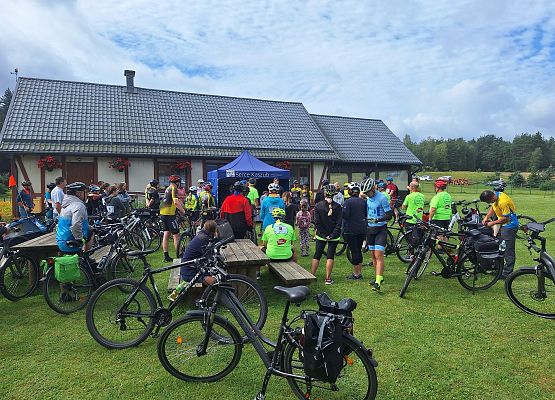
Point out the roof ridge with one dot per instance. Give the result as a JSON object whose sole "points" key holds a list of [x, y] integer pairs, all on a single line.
{"points": [[162, 90], [342, 116]]}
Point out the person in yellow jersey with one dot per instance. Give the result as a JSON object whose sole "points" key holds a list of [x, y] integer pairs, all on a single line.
{"points": [[168, 206], [502, 207], [346, 194]]}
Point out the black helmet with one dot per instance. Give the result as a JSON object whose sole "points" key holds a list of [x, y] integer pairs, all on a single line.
{"points": [[252, 181], [238, 186], [330, 190], [76, 187], [154, 182], [51, 185], [325, 182]]}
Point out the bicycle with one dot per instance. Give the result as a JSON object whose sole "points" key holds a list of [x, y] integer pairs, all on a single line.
{"points": [[532, 289], [465, 263], [122, 313], [204, 347]]}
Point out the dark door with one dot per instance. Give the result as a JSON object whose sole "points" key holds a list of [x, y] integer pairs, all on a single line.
{"points": [[80, 172]]}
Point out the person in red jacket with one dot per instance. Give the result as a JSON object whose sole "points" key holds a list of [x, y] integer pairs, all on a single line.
{"points": [[236, 208]]}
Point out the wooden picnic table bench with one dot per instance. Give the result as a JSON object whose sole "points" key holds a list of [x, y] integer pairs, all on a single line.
{"points": [[291, 273]]}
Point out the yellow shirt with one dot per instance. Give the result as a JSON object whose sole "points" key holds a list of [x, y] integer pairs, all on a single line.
{"points": [[504, 207], [167, 205]]}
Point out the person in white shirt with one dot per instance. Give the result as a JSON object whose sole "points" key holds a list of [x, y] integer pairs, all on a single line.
{"points": [[57, 196]]}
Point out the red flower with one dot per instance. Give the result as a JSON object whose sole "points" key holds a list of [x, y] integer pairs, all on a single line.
{"points": [[181, 165], [283, 164], [49, 162], [119, 163]]}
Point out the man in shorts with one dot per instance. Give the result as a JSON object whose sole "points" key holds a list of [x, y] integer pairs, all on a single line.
{"points": [[168, 205], [379, 212]]}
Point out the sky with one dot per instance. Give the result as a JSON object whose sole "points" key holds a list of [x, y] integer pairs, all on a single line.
{"points": [[440, 68]]}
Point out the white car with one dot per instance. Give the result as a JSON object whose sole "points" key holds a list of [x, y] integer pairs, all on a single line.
{"points": [[425, 178], [447, 178]]}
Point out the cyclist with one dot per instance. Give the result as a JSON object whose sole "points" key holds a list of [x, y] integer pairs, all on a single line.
{"points": [[354, 227], [296, 193], [191, 201], [278, 238], [414, 205], [253, 194], [346, 194], [440, 205], [200, 186], [381, 185], [152, 196], [94, 200], [276, 182], [25, 200], [168, 207], [48, 201], [338, 198], [306, 193], [205, 197], [327, 222], [73, 225], [114, 206], [320, 194], [504, 209], [393, 192], [378, 213], [236, 208]]}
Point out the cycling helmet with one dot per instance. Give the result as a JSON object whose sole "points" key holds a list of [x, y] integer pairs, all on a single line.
{"points": [[51, 185], [26, 183], [330, 190], [273, 187], [154, 182], [193, 189], [238, 186], [94, 188], [354, 187], [200, 182], [76, 187], [175, 179], [278, 213], [252, 181], [440, 184], [346, 184], [325, 182], [367, 185], [295, 182], [381, 184], [389, 179]]}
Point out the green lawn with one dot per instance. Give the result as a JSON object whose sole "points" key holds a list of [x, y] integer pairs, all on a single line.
{"points": [[439, 342]]}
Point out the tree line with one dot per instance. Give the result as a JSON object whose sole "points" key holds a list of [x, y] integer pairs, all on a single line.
{"points": [[526, 152]]}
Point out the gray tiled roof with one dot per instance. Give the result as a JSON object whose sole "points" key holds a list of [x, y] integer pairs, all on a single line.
{"points": [[69, 117], [364, 140]]}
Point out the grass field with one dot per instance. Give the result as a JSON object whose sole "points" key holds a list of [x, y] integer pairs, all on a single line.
{"points": [[439, 342]]}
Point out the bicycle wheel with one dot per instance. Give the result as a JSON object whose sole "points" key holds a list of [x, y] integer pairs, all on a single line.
{"points": [[424, 264], [113, 327], [19, 276], [404, 248], [412, 272], [481, 274], [183, 242], [249, 293], [524, 288], [341, 246], [522, 221], [179, 345], [134, 241], [152, 239], [68, 297], [356, 381], [123, 266], [389, 244]]}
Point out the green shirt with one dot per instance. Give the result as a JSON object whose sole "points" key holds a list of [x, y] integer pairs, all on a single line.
{"points": [[279, 238], [253, 194], [387, 195], [442, 203], [414, 203]]}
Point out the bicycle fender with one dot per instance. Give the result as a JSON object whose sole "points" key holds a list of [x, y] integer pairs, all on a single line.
{"points": [[361, 346]]}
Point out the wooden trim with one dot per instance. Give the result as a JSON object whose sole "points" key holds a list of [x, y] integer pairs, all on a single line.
{"points": [[64, 165], [204, 177], [156, 172], [311, 180], [42, 188], [126, 171], [324, 172], [95, 170], [14, 172], [24, 172]]}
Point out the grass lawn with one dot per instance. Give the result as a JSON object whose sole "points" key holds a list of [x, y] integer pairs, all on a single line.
{"points": [[439, 342]]}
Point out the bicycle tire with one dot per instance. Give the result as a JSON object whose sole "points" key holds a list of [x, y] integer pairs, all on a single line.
{"points": [[349, 385], [389, 243], [404, 248], [514, 292], [185, 335], [252, 298], [133, 241], [412, 271], [487, 275], [123, 266], [184, 240], [102, 318], [341, 246], [424, 264], [69, 297], [19, 277], [152, 239]]}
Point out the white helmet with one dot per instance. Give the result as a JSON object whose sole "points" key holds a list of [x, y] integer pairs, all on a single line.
{"points": [[273, 187], [193, 189], [354, 186], [367, 185], [200, 182]]}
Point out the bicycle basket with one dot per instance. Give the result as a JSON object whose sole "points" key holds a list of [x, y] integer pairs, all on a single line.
{"points": [[66, 268], [225, 231]]}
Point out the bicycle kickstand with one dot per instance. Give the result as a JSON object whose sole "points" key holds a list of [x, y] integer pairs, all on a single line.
{"points": [[262, 394]]}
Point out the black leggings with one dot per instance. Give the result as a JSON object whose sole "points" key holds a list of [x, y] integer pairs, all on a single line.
{"points": [[355, 245], [321, 244]]}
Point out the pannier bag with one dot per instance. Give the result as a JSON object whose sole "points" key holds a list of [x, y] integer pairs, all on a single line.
{"points": [[323, 340], [66, 268], [224, 229], [487, 246], [28, 228]]}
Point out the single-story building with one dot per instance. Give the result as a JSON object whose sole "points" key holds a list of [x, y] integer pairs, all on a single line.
{"points": [[129, 134]]}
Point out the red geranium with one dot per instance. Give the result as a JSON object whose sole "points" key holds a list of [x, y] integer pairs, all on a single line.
{"points": [[49, 163], [119, 163], [181, 165], [283, 164]]}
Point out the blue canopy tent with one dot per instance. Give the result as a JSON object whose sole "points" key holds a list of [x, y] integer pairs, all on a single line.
{"points": [[242, 168]]}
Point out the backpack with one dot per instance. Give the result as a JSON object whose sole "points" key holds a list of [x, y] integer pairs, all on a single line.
{"points": [[303, 220]]}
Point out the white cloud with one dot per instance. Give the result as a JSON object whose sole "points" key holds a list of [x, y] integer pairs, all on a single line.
{"points": [[439, 68]]}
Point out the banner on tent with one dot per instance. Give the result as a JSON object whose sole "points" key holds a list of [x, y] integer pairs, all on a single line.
{"points": [[231, 173]]}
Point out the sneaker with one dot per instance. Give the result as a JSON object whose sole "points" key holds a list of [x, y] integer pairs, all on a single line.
{"points": [[257, 275], [328, 281], [168, 259], [354, 277], [376, 286]]}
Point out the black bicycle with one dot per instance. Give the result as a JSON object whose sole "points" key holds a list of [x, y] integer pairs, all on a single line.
{"points": [[204, 347], [475, 268], [532, 289], [122, 313], [19, 273]]}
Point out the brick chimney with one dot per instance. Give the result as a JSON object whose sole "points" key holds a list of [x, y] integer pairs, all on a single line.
{"points": [[130, 75]]}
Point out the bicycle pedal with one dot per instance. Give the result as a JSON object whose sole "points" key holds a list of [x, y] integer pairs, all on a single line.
{"points": [[435, 273]]}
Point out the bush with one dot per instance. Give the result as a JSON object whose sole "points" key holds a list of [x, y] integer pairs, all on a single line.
{"points": [[493, 177], [516, 179], [547, 185]]}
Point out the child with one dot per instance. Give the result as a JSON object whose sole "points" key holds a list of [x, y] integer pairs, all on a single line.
{"points": [[302, 220]]}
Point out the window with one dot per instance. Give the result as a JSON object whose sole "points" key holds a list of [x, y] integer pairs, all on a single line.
{"points": [[339, 177], [301, 172], [165, 169], [400, 177]]}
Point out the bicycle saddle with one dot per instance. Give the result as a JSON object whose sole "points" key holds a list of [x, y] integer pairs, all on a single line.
{"points": [[535, 227], [295, 294], [135, 253]]}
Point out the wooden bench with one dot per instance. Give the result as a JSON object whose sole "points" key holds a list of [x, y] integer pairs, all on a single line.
{"points": [[175, 279], [291, 273]]}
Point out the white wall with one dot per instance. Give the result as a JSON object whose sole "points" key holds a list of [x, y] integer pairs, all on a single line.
{"points": [[107, 174], [196, 171], [141, 172], [317, 168]]}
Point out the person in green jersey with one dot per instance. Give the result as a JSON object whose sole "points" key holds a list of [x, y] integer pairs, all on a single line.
{"points": [[278, 238], [252, 195], [381, 185], [440, 205], [414, 205]]}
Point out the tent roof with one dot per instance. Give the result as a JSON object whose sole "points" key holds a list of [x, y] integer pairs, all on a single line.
{"points": [[247, 166]]}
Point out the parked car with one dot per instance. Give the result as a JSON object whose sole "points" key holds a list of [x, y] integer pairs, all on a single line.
{"points": [[447, 178], [425, 178]]}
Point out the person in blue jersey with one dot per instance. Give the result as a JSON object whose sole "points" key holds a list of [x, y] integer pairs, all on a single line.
{"points": [[378, 213]]}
